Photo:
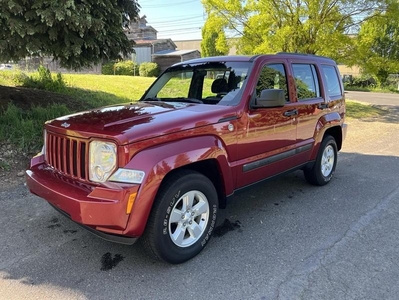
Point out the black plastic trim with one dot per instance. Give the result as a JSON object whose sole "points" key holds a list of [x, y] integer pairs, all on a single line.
{"points": [[272, 159], [105, 236]]}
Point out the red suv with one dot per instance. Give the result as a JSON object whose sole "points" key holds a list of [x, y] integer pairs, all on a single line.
{"points": [[162, 167]]}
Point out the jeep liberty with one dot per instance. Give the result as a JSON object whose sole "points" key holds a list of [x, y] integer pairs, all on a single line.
{"points": [[162, 167]]}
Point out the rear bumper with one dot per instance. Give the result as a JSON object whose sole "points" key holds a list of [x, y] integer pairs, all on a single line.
{"points": [[344, 130], [100, 209]]}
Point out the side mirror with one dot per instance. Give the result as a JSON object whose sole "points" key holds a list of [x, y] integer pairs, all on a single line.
{"points": [[270, 98]]}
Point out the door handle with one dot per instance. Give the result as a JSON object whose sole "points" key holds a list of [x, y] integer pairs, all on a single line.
{"points": [[290, 113], [323, 106]]}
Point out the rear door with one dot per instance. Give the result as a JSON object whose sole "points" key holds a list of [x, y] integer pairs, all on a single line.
{"points": [[310, 104]]}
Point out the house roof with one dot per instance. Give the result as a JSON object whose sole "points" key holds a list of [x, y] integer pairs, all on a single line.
{"points": [[174, 52], [153, 42]]}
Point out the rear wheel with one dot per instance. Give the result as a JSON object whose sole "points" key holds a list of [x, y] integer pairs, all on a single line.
{"points": [[182, 218], [326, 161]]}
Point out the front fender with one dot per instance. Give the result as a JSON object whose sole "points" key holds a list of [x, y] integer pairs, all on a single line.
{"points": [[158, 161]]}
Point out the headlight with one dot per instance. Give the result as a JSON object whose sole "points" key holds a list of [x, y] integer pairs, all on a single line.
{"points": [[102, 160]]}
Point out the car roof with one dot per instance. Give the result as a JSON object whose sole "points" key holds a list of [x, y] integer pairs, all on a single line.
{"points": [[246, 58]]}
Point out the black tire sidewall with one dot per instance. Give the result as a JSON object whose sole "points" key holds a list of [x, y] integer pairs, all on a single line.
{"points": [[328, 141], [167, 199]]}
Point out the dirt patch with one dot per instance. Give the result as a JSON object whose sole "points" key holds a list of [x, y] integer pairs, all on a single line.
{"points": [[25, 98], [13, 164]]}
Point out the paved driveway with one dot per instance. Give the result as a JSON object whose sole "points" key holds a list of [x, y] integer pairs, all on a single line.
{"points": [[374, 98], [296, 241]]}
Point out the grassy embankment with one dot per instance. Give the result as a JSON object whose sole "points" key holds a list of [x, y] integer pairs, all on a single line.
{"points": [[23, 111]]}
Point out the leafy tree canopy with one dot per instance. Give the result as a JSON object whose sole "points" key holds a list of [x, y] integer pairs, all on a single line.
{"points": [[214, 42], [377, 44], [76, 32], [308, 26]]}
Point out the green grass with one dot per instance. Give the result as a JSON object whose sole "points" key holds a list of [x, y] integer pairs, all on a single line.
{"points": [[21, 124], [390, 90], [359, 110], [128, 88]]}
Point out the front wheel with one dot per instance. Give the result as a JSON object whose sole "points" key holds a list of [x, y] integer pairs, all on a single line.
{"points": [[326, 161], [182, 218]]}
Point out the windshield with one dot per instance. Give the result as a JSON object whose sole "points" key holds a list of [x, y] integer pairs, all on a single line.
{"points": [[213, 83]]}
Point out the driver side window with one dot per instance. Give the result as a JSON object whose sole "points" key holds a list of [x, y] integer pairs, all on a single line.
{"points": [[272, 76]]}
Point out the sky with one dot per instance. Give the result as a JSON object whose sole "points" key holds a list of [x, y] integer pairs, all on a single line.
{"points": [[174, 19]]}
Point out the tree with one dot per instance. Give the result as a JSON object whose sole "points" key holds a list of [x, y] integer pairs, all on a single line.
{"points": [[75, 32], [378, 44], [308, 26], [214, 42]]}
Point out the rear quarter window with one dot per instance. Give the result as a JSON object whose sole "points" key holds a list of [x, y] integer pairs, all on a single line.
{"points": [[332, 80]]}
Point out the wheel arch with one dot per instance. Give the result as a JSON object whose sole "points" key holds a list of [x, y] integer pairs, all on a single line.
{"points": [[336, 133], [206, 155], [329, 124], [210, 168]]}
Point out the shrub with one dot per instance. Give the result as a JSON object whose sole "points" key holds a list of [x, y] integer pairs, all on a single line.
{"points": [[149, 69], [43, 80], [108, 68], [364, 81], [126, 67]]}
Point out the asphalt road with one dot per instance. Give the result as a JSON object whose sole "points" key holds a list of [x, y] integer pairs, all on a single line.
{"points": [[296, 241], [374, 98]]}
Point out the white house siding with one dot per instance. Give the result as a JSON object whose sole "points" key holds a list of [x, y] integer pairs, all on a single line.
{"points": [[143, 54]]}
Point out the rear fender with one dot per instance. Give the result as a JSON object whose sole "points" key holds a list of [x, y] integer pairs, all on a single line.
{"points": [[158, 161], [324, 124]]}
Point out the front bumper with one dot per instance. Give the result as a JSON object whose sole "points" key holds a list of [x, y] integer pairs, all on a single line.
{"points": [[100, 209], [106, 236]]}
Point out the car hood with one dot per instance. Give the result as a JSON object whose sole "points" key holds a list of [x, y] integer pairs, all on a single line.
{"points": [[138, 121]]}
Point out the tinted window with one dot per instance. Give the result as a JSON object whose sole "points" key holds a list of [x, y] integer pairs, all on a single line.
{"points": [[332, 79], [307, 84], [272, 77]]}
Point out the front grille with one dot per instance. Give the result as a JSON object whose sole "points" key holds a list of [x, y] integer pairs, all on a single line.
{"points": [[67, 155]]}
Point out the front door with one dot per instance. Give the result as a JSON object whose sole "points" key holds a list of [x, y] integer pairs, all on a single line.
{"points": [[268, 137]]}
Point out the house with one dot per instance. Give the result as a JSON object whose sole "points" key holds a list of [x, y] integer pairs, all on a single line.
{"points": [[167, 58], [148, 48]]}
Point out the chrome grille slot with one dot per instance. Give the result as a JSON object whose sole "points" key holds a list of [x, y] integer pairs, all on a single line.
{"points": [[67, 155]]}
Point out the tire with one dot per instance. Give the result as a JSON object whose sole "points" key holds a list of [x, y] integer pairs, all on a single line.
{"points": [[324, 166], [182, 218]]}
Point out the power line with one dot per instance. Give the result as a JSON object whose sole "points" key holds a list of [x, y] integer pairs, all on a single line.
{"points": [[168, 4], [175, 20], [181, 29]]}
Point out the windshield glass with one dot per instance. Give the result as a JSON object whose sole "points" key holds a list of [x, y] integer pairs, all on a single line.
{"points": [[208, 83]]}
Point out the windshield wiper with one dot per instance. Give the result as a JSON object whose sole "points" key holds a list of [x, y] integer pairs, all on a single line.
{"points": [[151, 99]]}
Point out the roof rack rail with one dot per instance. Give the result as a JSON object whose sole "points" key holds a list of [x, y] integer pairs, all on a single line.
{"points": [[303, 54]]}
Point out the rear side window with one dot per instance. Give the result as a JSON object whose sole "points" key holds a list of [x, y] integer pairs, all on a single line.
{"points": [[307, 83], [332, 79]]}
